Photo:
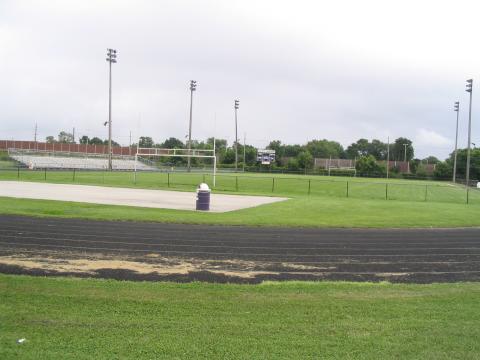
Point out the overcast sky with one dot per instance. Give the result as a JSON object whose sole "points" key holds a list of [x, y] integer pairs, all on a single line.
{"points": [[302, 70]]}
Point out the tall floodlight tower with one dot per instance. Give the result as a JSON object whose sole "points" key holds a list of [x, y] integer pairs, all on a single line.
{"points": [[236, 135], [456, 108], [112, 59], [469, 89], [193, 87]]}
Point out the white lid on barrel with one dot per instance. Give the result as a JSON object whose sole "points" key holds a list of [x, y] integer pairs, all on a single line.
{"points": [[203, 187]]}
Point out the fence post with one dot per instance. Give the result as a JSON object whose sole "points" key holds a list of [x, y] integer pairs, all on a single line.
{"points": [[73, 180], [347, 189], [104, 175], [426, 192], [45, 174], [18, 172], [273, 184], [386, 191], [309, 185], [236, 183], [203, 178], [135, 178], [467, 193], [168, 179]]}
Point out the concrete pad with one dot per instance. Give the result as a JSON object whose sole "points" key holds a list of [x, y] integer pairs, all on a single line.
{"points": [[130, 197]]}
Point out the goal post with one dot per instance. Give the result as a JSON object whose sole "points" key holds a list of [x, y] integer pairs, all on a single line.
{"points": [[185, 153]]}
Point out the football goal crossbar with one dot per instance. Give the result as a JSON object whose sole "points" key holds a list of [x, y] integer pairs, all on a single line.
{"points": [[186, 153]]}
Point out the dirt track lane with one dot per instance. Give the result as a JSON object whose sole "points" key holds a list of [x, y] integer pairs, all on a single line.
{"points": [[147, 251]]}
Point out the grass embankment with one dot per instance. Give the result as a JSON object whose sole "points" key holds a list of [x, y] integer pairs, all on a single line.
{"points": [[85, 318]]}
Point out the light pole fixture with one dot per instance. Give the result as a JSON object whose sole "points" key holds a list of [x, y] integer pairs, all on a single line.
{"points": [[236, 135], [469, 89], [112, 59], [456, 108], [193, 87]]}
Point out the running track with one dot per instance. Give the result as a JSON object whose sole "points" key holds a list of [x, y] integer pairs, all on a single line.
{"points": [[223, 254]]}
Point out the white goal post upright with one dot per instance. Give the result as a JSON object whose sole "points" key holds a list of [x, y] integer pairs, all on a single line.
{"points": [[187, 153]]}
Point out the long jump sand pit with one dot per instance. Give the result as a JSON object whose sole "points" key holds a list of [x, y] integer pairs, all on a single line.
{"points": [[130, 197]]}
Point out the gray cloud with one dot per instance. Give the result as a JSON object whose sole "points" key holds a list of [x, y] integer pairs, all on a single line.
{"points": [[301, 70]]}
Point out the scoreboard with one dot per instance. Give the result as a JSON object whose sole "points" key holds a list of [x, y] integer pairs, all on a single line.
{"points": [[265, 156]]}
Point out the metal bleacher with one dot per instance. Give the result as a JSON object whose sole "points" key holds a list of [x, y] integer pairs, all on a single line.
{"points": [[61, 160]]}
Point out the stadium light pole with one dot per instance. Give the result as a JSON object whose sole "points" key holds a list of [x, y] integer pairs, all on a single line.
{"points": [[469, 90], [236, 135], [111, 59], [388, 155], [456, 108], [405, 157], [193, 87]]}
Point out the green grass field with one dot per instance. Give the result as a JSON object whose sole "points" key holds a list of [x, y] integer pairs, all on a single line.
{"points": [[327, 205], [84, 319], [263, 184], [301, 211]]}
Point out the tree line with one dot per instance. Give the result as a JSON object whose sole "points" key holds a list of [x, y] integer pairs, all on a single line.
{"points": [[368, 155]]}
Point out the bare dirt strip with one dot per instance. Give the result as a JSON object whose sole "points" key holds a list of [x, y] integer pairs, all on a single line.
{"points": [[176, 252]]}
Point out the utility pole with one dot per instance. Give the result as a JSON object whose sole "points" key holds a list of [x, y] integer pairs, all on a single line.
{"points": [[388, 155], [73, 135], [111, 58], [130, 144], [469, 89], [236, 135], [405, 157], [244, 150], [193, 87], [35, 137], [456, 108]]}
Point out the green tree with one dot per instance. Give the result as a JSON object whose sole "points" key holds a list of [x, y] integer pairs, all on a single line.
{"points": [[114, 143], [358, 149], [65, 137], [443, 171], [462, 163], [50, 140], [305, 160], [367, 165], [398, 149], [362, 147], [431, 160], [84, 140], [219, 143], [378, 149], [96, 141], [278, 147], [325, 148], [145, 142], [173, 143]]}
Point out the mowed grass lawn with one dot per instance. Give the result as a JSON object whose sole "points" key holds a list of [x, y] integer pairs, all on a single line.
{"points": [[296, 212], [262, 184], [66, 318], [327, 205]]}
